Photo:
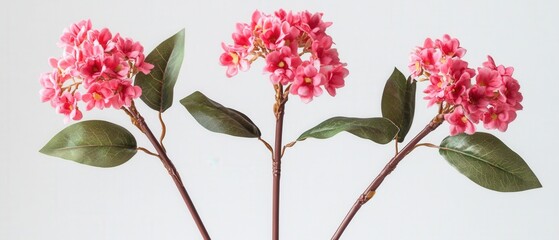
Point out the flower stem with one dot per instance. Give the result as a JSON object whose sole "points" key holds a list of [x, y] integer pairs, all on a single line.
{"points": [[281, 99], [390, 166], [139, 121]]}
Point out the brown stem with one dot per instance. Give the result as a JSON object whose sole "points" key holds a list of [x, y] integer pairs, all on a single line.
{"points": [[279, 107], [390, 166], [138, 120]]}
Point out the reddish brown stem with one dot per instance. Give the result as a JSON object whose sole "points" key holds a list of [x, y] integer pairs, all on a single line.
{"points": [[390, 166], [141, 124], [281, 98]]}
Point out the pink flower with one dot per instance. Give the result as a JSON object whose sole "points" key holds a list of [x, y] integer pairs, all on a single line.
{"points": [[456, 91], [426, 58], [498, 117], [51, 83], [308, 81], [243, 37], [511, 92], [450, 47], [490, 79], [455, 68], [91, 69], [274, 32], [502, 70], [142, 66], [282, 65], [75, 34], [103, 38], [436, 90], [66, 104], [128, 47], [116, 67], [124, 93], [334, 78], [476, 102], [233, 60], [98, 96], [313, 25], [459, 123]]}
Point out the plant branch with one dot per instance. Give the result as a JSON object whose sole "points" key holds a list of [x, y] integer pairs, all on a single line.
{"points": [[291, 144], [139, 122], [163, 131], [268, 146], [390, 166], [279, 107], [427, 145], [147, 151]]}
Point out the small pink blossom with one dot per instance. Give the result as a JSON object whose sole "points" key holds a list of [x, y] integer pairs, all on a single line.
{"points": [[476, 102], [51, 83], [435, 90], [97, 96], [313, 25], [334, 78], [91, 69], [115, 67], [233, 60], [128, 47], [282, 65], [456, 91], [143, 66], [274, 32], [124, 93], [67, 105], [455, 68], [308, 81], [450, 47], [243, 37], [511, 92], [75, 34], [498, 117], [459, 122], [425, 59], [502, 70], [490, 79]]}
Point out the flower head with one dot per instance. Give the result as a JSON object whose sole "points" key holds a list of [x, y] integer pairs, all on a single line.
{"points": [[297, 50], [493, 98], [96, 68]]}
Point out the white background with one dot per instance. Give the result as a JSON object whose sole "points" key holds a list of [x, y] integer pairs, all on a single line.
{"points": [[229, 179]]}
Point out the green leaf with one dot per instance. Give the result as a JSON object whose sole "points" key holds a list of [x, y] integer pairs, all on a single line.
{"points": [[157, 86], [379, 130], [487, 161], [95, 143], [398, 102], [217, 118]]}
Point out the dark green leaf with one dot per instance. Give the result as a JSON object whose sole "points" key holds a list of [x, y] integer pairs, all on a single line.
{"points": [[157, 86], [379, 130], [398, 102], [95, 143], [487, 161], [217, 118]]}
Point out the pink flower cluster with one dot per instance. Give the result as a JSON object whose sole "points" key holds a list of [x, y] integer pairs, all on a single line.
{"points": [[493, 98], [282, 39], [101, 63]]}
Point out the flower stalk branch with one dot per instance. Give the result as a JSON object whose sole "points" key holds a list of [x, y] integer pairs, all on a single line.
{"points": [[390, 166], [279, 110], [139, 122]]}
